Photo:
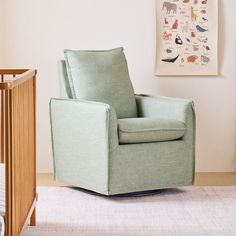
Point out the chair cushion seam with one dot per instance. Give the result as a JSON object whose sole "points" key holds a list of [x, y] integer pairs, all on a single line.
{"points": [[151, 130]]}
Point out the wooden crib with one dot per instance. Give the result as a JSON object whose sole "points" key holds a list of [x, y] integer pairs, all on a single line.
{"points": [[18, 147]]}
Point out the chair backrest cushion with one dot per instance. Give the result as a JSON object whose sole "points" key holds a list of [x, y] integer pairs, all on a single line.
{"points": [[64, 86], [102, 76]]}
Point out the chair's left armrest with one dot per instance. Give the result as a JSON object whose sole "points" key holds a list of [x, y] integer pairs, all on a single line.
{"points": [[170, 108]]}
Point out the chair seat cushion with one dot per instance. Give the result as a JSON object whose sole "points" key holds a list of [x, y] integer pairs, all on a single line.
{"points": [[145, 130]]}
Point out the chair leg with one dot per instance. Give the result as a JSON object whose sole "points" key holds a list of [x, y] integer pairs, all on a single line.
{"points": [[33, 218]]}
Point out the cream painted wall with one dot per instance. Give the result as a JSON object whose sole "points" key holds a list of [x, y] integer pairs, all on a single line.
{"points": [[2, 30], [38, 31]]}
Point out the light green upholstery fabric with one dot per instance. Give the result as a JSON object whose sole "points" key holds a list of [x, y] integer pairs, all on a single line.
{"points": [[83, 133], [65, 90], [110, 141], [170, 108], [87, 153], [102, 76], [146, 130], [147, 166], [150, 166]]}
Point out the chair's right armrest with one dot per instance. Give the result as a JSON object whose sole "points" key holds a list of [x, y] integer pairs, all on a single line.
{"points": [[83, 127], [83, 135], [86, 118]]}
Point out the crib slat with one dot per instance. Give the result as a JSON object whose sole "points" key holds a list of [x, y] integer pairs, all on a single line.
{"points": [[8, 160], [2, 123], [2, 127]]}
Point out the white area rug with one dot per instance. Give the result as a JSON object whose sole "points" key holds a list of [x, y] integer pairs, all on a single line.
{"points": [[184, 211]]}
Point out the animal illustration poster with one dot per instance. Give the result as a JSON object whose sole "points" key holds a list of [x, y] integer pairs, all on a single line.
{"points": [[187, 37]]}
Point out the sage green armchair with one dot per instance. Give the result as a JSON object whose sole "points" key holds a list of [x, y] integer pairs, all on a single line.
{"points": [[111, 141]]}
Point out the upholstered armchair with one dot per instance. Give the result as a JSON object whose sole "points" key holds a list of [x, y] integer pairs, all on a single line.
{"points": [[111, 141]]}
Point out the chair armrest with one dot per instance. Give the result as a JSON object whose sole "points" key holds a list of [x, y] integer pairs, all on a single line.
{"points": [[89, 121], [83, 135], [171, 108]]}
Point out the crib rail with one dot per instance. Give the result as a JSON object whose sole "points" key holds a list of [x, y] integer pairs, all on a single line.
{"points": [[18, 147]]}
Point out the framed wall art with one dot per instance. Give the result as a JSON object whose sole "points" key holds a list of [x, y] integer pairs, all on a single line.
{"points": [[187, 37]]}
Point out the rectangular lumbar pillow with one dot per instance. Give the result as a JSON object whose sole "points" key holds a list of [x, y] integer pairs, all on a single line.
{"points": [[102, 76]]}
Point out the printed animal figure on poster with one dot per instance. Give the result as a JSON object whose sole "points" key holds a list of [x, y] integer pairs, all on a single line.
{"points": [[170, 7]]}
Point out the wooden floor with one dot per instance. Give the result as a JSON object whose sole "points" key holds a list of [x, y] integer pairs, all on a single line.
{"points": [[201, 179]]}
